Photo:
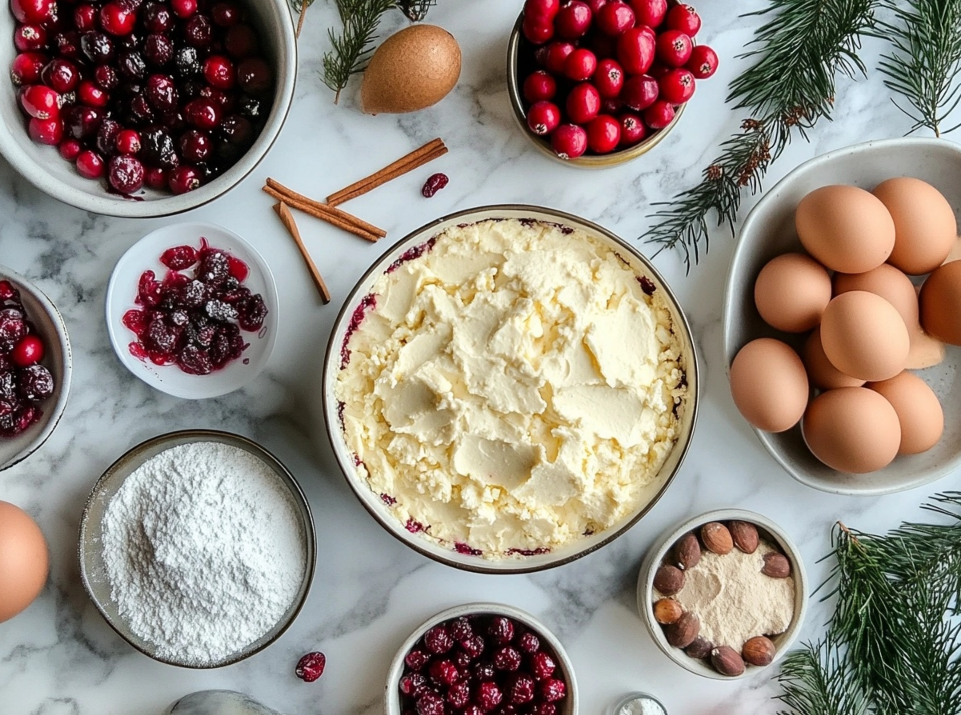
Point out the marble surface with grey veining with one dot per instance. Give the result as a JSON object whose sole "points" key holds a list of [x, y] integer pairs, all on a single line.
{"points": [[60, 658]]}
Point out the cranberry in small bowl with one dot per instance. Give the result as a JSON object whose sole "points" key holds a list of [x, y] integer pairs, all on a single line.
{"points": [[36, 365], [192, 310], [480, 658]]}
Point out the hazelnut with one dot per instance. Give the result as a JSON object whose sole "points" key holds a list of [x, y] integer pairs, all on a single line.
{"points": [[776, 565], [744, 535], [667, 611], [717, 538], [668, 580], [687, 552], [701, 648], [758, 650], [682, 633], [726, 661]]}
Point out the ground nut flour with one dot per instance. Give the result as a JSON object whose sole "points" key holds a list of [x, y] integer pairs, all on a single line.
{"points": [[203, 550]]}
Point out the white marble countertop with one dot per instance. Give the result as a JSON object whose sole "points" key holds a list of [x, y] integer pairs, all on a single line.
{"points": [[60, 657]]}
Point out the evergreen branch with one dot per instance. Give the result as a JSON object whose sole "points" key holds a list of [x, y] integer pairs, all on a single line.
{"points": [[818, 680], [352, 47], [416, 10], [926, 59]]}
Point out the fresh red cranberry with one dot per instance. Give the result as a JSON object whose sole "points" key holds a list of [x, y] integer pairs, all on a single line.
{"points": [[458, 695], [161, 92], [677, 86], [438, 639], [310, 667], [70, 149], [580, 65], [128, 141], [106, 77], [27, 68], [539, 86], [434, 183], [46, 131], [416, 659], [430, 704], [155, 178], [542, 11], [61, 75], [609, 78], [537, 33], [635, 50], [254, 75], [603, 134], [241, 41], [118, 18], [158, 50], [443, 672], [640, 92], [552, 690], [225, 14], [219, 72], [583, 103], [543, 118], [683, 18], [90, 164], [488, 696], [633, 130], [198, 32], [183, 8], [556, 56], [85, 17], [649, 12], [28, 38], [182, 179], [33, 11], [507, 658], [703, 62], [202, 113], [521, 690], [573, 20], [28, 351], [91, 95], [674, 48], [40, 102], [195, 146], [659, 114], [500, 630], [125, 174], [614, 18], [596, 5]]}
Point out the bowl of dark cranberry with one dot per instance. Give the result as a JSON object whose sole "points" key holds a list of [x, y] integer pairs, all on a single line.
{"points": [[192, 310], [143, 108], [480, 658], [35, 368]]}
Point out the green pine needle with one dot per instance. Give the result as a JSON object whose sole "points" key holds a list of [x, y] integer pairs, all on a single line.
{"points": [[416, 10], [352, 47], [819, 680]]}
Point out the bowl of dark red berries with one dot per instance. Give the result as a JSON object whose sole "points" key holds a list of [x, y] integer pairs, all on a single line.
{"points": [[481, 658], [597, 83], [35, 368], [192, 310], [143, 108]]}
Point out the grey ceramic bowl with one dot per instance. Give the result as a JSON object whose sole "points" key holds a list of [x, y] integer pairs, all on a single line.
{"points": [[58, 359], [93, 572], [567, 706], [375, 505], [43, 167], [769, 231], [655, 555]]}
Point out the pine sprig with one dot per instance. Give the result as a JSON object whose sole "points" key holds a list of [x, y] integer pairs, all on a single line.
{"points": [[416, 10], [819, 680], [352, 47]]}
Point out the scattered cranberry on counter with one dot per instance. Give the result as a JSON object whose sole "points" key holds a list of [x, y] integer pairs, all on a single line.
{"points": [[311, 667], [434, 184]]}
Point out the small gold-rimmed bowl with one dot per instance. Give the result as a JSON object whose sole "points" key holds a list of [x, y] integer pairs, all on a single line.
{"points": [[520, 64]]}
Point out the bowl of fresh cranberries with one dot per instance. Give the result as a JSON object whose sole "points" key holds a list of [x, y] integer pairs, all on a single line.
{"points": [[143, 108], [192, 310], [481, 658], [600, 82], [35, 368]]}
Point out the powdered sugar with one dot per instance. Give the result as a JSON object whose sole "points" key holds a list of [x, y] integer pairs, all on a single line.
{"points": [[204, 551]]}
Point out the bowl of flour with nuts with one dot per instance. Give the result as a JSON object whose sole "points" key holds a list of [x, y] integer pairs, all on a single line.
{"points": [[723, 594], [198, 548]]}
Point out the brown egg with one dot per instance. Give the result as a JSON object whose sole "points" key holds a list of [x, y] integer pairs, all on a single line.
{"points": [[24, 560], [791, 292], [941, 303], [852, 429], [769, 385], [822, 374], [411, 70], [845, 228], [918, 408], [864, 336], [924, 225]]}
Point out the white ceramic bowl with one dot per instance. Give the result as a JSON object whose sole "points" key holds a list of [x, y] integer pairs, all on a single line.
{"points": [[769, 231], [567, 706], [122, 290], [581, 547], [43, 167], [58, 359], [655, 555]]}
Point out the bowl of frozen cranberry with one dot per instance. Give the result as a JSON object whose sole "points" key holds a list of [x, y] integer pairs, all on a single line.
{"points": [[143, 108], [481, 658], [35, 368], [600, 82]]}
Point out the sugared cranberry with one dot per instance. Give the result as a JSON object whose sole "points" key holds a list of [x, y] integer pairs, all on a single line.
{"points": [[128, 141], [183, 8], [416, 659], [543, 118], [85, 17], [552, 690], [537, 33], [158, 50], [198, 31], [68, 44], [703, 62], [29, 38], [28, 351], [507, 658], [483, 670], [158, 148], [107, 137], [241, 41], [161, 92], [70, 149], [32, 11], [429, 703], [443, 672], [640, 92], [438, 639], [677, 86], [36, 383], [614, 18], [254, 75], [91, 95], [580, 65], [674, 48], [27, 68], [139, 111], [46, 131], [13, 326], [61, 75], [544, 709], [633, 130], [40, 102], [636, 50], [182, 179], [195, 146], [609, 78], [97, 47], [131, 65], [310, 667], [539, 86], [649, 12], [521, 690], [473, 646], [583, 103], [488, 696], [202, 113], [659, 114], [461, 628], [125, 174], [458, 695], [573, 20], [542, 665], [106, 77], [500, 630], [412, 684]]}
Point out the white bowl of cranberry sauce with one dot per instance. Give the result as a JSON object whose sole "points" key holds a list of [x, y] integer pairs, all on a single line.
{"points": [[192, 310], [481, 658], [35, 368], [597, 83], [143, 108]]}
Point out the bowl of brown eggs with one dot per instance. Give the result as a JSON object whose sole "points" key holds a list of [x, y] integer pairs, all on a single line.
{"points": [[842, 318]]}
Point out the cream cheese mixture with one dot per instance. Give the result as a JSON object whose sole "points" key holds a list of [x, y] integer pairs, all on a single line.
{"points": [[511, 388]]}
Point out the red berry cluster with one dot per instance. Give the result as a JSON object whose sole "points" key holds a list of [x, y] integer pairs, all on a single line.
{"points": [[603, 75], [24, 382], [167, 95], [480, 664], [194, 321]]}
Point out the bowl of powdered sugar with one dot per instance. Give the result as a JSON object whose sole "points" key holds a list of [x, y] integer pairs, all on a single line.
{"points": [[197, 547]]}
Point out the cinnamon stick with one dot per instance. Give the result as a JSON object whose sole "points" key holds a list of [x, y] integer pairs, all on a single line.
{"points": [[416, 159], [335, 217], [288, 220]]}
